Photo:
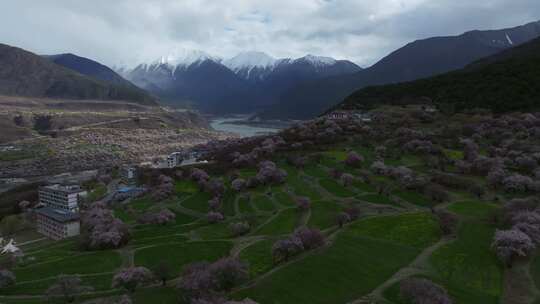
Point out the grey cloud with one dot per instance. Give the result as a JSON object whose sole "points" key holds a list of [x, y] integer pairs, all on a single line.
{"points": [[130, 31]]}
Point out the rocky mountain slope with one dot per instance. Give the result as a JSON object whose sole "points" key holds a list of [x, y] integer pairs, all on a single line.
{"points": [[23, 73]]}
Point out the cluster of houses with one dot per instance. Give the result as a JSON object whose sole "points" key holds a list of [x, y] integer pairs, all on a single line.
{"points": [[57, 214], [178, 159], [369, 116], [337, 115]]}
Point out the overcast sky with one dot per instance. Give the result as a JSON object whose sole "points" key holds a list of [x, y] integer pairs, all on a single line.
{"points": [[131, 31]]}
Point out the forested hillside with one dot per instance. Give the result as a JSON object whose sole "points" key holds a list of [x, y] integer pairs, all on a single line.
{"points": [[504, 82]]}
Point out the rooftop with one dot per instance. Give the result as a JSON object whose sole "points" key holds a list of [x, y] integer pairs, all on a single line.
{"points": [[64, 188], [63, 216]]}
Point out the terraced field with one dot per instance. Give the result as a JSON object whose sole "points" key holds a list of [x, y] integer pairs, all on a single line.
{"points": [[395, 237]]}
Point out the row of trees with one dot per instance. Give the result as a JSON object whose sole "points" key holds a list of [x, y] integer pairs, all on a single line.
{"points": [[200, 282]]}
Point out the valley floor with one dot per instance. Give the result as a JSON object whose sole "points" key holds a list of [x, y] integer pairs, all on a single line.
{"points": [[363, 262], [91, 135], [396, 237]]}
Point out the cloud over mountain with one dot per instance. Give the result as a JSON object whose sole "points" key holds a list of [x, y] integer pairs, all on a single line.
{"points": [[134, 31]]}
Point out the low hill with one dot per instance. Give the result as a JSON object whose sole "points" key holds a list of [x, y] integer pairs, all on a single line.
{"points": [[504, 82], [88, 67], [416, 60], [23, 73]]}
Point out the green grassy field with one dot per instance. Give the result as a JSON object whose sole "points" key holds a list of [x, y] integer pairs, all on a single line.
{"points": [[535, 271], [141, 204], [284, 199], [303, 188], [414, 198], [259, 257], [197, 202], [283, 223], [336, 188], [323, 214], [186, 187], [468, 267], [228, 203], [363, 187], [245, 207], [394, 232], [316, 171], [263, 203], [376, 199], [473, 208], [214, 231], [417, 230], [93, 262], [351, 258], [180, 254]]}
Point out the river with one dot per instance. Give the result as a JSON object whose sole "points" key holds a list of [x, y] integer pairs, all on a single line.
{"points": [[243, 128]]}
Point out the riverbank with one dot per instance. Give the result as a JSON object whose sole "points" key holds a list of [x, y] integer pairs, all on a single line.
{"points": [[243, 127]]}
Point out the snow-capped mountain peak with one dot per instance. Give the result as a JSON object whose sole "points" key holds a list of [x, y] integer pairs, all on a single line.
{"points": [[318, 60], [249, 60], [185, 57]]}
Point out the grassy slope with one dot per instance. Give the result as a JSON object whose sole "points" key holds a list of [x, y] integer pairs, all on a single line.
{"points": [[354, 264], [466, 267], [180, 254]]}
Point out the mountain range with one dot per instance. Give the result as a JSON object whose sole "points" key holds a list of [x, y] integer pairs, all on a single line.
{"points": [[416, 60], [250, 82], [504, 82], [23, 73], [243, 83]]}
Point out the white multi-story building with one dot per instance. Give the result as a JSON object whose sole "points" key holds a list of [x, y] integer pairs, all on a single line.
{"points": [[57, 224], [58, 216], [61, 197], [175, 159]]}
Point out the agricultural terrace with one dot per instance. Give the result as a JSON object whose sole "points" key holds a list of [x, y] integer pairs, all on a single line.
{"points": [[326, 212]]}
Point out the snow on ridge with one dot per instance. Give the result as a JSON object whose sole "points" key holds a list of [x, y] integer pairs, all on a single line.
{"points": [[509, 40], [319, 60], [250, 60], [184, 58], [180, 58]]}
